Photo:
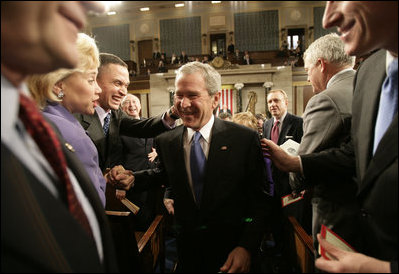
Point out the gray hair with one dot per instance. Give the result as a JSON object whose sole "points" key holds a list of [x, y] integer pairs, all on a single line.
{"points": [[212, 78], [329, 47], [124, 100]]}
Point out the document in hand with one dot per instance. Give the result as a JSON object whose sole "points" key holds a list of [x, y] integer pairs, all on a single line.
{"points": [[291, 147], [333, 239], [289, 199]]}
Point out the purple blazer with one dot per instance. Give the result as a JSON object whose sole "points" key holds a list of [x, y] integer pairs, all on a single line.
{"points": [[76, 136]]}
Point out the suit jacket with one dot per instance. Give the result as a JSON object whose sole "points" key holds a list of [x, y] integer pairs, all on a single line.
{"points": [[327, 124], [233, 206], [38, 234], [292, 126], [135, 157], [75, 135], [377, 175], [110, 148]]}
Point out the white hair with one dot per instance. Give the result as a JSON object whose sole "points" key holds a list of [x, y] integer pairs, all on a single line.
{"points": [[329, 47]]}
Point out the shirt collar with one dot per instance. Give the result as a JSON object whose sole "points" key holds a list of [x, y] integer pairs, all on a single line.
{"points": [[281, 119], [102, 113], [205, 130], [336, 75], [389, 59], [10, 103]]}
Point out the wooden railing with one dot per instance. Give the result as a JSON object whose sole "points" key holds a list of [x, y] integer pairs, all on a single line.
{"points": [[304, 247]]}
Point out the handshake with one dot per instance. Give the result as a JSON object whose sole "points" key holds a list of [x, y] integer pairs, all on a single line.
{"points": [[119, 177]]}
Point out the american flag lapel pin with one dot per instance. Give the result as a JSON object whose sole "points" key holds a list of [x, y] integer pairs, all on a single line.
{"points": [[223, 148]]}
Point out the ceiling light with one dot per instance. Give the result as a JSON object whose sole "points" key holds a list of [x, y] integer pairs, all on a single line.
{"points": [[111, 13], [109, 4], [216, 2], [179, 5], [145, 9]]}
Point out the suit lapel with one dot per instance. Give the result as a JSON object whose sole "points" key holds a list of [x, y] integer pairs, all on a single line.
{"points": [[268, 128], [382, 157], [92, 125], [285, 128], [367, 95], [219, 152]]}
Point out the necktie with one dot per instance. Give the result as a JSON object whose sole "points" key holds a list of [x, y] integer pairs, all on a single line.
{"points": [[107, 120], [197, 165], [50, 146], [388, 103], [275, 133]]}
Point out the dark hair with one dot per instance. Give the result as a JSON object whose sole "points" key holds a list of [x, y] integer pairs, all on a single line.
{"points": [[108, 58]]}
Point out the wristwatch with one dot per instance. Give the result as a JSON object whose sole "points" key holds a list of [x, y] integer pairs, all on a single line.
{"points": [[172, 115]]}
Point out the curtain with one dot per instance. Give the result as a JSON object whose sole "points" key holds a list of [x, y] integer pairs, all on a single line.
{"points": [[257, 31]]}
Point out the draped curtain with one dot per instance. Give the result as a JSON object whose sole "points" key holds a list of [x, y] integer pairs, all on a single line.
{"points": [[181, 34], [257, 31], [113, 39]]}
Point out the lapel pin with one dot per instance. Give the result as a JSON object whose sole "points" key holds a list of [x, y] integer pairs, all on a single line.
{"points": [[223, 148], [70, 147]]}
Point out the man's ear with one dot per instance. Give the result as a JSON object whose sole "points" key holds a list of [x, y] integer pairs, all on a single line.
{"points": [[216, 98], [322, 64]]}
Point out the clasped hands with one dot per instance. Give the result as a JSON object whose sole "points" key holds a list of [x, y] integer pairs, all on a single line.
{"points": [[119, 177]]}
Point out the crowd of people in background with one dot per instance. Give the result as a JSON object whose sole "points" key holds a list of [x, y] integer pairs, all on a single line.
{"points": [[73, 139]]}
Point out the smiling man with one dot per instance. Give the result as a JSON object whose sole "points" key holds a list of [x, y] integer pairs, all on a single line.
{"points": [[372, 152], [110, 121], [215, 171]]}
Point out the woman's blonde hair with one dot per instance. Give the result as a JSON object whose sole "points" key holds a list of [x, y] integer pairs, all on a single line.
{"points": [[41, 85], [246, 119]]}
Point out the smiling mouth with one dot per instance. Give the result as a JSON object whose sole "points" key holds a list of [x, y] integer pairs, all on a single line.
{"points": [[344, 31]]}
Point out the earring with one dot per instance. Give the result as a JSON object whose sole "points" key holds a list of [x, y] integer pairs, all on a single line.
{"points": [[60, 94]]}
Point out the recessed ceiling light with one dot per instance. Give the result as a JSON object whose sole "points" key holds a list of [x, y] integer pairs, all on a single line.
{"points": [[216, 2], [179, 5], [145, 9]]}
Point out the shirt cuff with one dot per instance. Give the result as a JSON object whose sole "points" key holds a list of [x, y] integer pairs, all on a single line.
{"points": [[166, 124], [300, 165]]}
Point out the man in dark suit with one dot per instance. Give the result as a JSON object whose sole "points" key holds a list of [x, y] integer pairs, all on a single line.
{"points": [[138, 154], [288, 126], [113, 79], [38, 231], [375, 165], [105, 128], [221, 207]]}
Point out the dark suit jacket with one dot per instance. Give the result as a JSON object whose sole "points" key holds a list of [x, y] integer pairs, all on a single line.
{"points": [[233, 205], [110, 149], [135, 157], [377, 175], [292, 126], [38, 234]]}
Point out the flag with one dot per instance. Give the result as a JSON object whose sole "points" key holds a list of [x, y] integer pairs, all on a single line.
{"points": [[226, 97]]}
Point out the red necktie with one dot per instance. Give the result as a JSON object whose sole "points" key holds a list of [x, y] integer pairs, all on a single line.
{"points": [[275, 132], [50, 146]]}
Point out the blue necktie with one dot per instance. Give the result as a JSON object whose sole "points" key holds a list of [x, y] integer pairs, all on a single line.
{"points": [[107, 119], [197, 165], [388, 103]]}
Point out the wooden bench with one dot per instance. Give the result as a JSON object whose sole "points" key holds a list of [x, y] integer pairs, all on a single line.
{"points": [[151, 246], [304, 247]]}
